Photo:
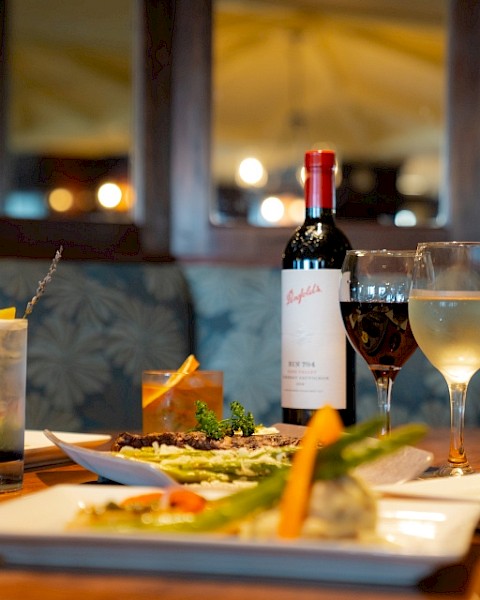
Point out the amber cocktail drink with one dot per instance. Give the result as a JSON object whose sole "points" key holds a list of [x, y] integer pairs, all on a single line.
{"points": [[169, 398]]}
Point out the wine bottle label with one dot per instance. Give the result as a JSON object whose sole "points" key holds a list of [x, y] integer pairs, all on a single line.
{"points": [[313, 340]]}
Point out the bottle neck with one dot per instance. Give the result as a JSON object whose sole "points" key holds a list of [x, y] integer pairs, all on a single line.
{"points": [[318, 212], [320, 200]]}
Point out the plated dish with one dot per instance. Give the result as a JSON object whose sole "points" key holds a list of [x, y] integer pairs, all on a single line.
{"points": [[405, 464], [416, 537]]}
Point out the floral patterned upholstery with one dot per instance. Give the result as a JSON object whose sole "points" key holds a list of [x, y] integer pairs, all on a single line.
{"points": [[99, 325], [238, 331], [96, 328]]}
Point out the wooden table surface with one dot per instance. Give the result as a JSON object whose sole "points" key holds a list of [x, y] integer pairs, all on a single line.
{"points": [[456, 582]]}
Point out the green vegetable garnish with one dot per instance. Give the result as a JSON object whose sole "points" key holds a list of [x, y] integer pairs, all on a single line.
{"points": [[239, 422]]}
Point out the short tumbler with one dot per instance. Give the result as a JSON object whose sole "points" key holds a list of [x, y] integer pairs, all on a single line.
{"points": [[169, 398]]}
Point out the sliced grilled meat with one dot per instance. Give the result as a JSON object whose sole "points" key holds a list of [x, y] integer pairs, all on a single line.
{"points": [[199, 441]]}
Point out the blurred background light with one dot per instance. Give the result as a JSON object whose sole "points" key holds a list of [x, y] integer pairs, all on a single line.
{"points": [[296, 211], [272, 209], [25, 205], [405, 218], [420, 175], [109, 195], [60, 200], [251, 172]]}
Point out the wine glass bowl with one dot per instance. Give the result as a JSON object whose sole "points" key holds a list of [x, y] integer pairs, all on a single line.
{"points": [[445, 318], [374, 292]]}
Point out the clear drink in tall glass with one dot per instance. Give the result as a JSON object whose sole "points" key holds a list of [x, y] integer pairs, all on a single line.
{"points": [[13, 369]]}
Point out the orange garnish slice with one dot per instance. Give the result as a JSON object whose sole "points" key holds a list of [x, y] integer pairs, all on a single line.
{"points": [[8, 313], [325, 427], [190, 365]]}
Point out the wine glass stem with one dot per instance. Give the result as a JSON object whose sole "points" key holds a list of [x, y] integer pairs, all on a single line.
{"points": [[384, 391], [458, 392]]}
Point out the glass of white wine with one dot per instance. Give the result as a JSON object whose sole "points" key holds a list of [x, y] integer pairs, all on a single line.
{"points": [[444, 310]]}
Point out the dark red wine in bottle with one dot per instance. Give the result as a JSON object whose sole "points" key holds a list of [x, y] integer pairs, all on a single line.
{"points": [[318, 363]]}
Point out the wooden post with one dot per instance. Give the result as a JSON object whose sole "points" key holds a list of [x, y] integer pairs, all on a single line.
{"points": [[463, 121], [4, 153], [152, 122]]}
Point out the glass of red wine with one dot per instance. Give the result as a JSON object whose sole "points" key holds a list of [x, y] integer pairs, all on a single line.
{"points": [[374, 292]]}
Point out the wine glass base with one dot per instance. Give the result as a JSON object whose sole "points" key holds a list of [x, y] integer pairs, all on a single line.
{"points": [[454, 470]]}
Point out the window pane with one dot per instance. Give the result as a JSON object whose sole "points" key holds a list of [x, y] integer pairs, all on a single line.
{"points": [[70, 108], [364, 78]]}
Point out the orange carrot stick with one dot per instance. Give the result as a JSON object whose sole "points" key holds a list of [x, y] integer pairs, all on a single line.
{"points": [[325, 427], [186, 500], [143, 499], [177, 499]]}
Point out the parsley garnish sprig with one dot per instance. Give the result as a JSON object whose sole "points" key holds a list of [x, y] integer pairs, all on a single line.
{"points": [[239, 422]]}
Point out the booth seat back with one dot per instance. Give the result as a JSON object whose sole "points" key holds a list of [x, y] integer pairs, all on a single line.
{"points": [[99, 325], [237, 320]]}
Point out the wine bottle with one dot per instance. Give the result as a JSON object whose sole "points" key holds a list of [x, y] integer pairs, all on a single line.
{"points": [[318, 363]]}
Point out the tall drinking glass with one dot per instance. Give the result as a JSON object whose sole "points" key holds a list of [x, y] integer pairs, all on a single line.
{"points": [[445, 318], [13, 374], [374, 291]]}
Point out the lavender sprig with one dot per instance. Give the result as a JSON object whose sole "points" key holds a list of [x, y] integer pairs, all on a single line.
{"points": [[43, 284]]}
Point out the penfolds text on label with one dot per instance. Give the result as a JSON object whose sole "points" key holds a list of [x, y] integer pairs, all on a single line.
{"points": [[297, 297]]}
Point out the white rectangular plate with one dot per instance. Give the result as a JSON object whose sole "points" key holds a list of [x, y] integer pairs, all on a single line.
{"points": [[415, 538], [40, 451], [463, 488]]}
